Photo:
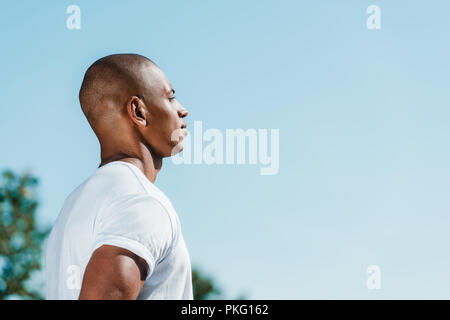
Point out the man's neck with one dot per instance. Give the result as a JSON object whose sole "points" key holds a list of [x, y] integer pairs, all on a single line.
{"points": [[146, 161]]}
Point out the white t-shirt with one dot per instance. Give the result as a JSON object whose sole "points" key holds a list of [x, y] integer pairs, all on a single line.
{"points": [[118, 206]]}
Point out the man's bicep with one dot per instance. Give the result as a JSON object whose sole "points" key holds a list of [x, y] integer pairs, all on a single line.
{"points": [[113, 273]]}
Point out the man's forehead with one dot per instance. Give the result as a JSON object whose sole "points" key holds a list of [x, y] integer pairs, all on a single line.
{"points": [[156, 79]]}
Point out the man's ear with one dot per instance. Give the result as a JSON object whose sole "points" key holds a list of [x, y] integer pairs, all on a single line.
{"points": [[136, 111]]}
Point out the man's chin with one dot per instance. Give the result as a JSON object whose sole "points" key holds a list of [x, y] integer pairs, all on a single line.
{"points": [[177, 148]]}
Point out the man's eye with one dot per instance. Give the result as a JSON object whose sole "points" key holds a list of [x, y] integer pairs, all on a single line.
{"points": [[172, 98]]}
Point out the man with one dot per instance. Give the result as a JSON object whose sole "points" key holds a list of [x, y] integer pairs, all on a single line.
{"points": [[117, 235]]}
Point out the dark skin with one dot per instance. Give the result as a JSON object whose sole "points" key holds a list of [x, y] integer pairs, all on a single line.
{"points": [[140, 122]]}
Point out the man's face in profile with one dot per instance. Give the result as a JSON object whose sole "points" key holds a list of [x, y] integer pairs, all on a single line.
{"points": [[166, 127]]}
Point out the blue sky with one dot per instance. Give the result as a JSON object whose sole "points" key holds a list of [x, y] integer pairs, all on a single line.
{"points": [[364, 132]]}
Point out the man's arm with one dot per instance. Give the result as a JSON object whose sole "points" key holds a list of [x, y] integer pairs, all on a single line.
{"points": [[113, 273]]}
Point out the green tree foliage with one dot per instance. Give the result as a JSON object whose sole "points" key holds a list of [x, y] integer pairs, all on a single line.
{"points": [[20, 239], [203, 286]]}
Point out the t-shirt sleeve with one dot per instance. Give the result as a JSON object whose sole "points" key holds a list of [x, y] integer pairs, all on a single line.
{"points": [[137, 223]]}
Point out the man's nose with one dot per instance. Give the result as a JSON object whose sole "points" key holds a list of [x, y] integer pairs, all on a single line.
{"points": [[182, 112]]}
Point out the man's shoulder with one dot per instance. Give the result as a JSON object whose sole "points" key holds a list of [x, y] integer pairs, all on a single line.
{"points": [[103, 186], [137, 215]]}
